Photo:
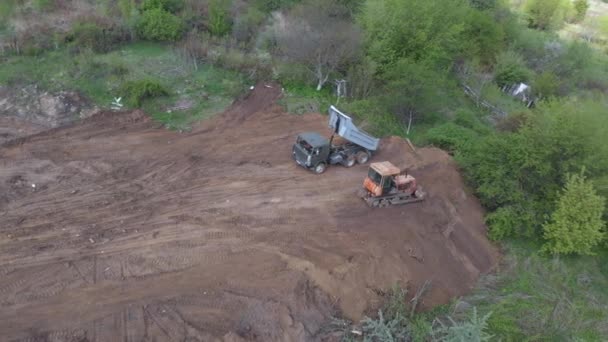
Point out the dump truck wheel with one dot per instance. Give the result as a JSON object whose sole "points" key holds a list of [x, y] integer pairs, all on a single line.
{"points": [[362, 157], [320, 168], [350, 161]]}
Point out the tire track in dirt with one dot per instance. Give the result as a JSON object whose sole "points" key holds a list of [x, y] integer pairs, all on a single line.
{"points": [[218, 228]]}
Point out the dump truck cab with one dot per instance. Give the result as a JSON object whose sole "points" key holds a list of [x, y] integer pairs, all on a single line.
{"points": [[311, 150]]}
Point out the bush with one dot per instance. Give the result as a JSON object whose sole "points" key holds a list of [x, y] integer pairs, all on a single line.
{"points": [[159, 25], [485, 36], [546, 14], [35, 40], [135, 92], [580, 10], [546, 85], [449, 136], [246, 25], [510, 69], [219, 17], [474, 330], [576, 226], [171, 6], [100, 39]]}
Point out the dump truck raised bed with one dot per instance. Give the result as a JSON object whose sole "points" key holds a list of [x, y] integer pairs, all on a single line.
{"points": [[387, 185], [315, 152]]}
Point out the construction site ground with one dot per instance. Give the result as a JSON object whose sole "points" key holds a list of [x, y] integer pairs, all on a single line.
{"points": [[115, 229]]}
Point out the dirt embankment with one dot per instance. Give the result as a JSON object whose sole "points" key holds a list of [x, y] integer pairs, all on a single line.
{"points": [[137, 233]]}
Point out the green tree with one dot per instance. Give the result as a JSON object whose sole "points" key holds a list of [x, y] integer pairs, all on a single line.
{"points": [[485, 37], [414, 90], [546, 14], [429, 31], [219, 17], [576, 226]]}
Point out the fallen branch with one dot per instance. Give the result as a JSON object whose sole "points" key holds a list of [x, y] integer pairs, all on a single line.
{"points": [[419, 295]]}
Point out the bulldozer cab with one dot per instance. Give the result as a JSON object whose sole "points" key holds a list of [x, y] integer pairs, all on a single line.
{"points": [[381, 175]]}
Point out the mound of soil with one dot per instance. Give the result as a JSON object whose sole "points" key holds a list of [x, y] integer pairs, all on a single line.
{"points": [[137, 233]]}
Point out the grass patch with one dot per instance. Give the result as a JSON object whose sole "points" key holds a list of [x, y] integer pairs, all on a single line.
{"points": [[538, 298], [191, 94], [302, 99]]}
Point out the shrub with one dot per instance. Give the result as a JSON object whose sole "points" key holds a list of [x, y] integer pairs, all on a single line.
{"points": [[135, 92], [449, 136], [580, 10], [35, 40], [576, 226], [219, 17], [546, 14], [546, 85], [246, 25], [510, 69], [171, 6], [43, 5], [484, 35], [159, 25], [475, 330], [91, 35]]}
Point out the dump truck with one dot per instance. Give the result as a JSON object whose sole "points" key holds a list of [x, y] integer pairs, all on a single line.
{"points": [[315, 152], [386, 185]]}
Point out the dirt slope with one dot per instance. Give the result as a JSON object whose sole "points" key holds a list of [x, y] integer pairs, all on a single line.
{"points": [[137, 233]]}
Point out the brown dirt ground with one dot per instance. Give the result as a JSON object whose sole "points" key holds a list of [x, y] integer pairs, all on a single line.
{"points": [[137, 233]]}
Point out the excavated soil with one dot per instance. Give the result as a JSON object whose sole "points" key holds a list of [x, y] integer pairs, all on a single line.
{"points": [[114, 229]]}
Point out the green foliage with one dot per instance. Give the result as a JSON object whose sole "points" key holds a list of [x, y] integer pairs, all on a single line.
{"points": [[246, 25], [474, 330], [415, 89], [273, 5], [126, 7], [546, 85], [484, 4], [171, 6], [603, 25], [135, 92], [7, 8], [157, 24], [518, 175], [535, 298], [381, 329], [88, 35], [546, 14], [510, 69], [450, 136], [576, 226], [428, 31], [43, 5], [302, 99], [580, 8], [484, 36], [219, 17]]}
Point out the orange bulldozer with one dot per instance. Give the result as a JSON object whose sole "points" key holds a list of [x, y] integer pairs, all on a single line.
{"points": [[385, 185]]}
